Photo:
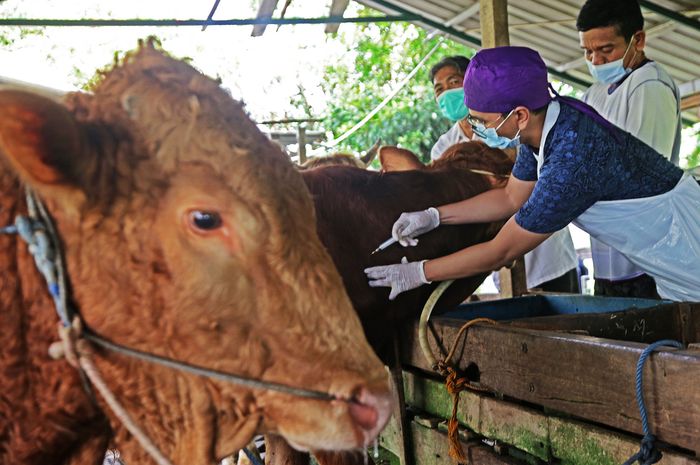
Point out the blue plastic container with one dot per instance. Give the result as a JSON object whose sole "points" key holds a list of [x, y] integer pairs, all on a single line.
{"points": [[547, 305]]}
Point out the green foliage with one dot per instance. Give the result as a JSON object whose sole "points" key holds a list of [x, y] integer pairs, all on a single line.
{"points": [[10, 35], [693, 159], [381, 55]]}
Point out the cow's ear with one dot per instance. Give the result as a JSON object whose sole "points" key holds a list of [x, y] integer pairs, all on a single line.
{"points": [[42, 141], [397, 159]]}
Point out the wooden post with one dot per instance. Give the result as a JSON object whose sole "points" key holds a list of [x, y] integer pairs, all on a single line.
{"points": [[301, 142], [405, 446], [494, 23], [493, 15], [513, 279]]}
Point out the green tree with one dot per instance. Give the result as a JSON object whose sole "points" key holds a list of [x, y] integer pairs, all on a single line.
{"points": [[381, 56], [693, 159]]}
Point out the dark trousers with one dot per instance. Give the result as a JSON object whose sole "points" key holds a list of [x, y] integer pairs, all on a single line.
{"points": [[568, 282], [642, 286]]}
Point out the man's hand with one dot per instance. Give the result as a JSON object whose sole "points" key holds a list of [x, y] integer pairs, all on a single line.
{"points": [[412, 224], [400, 277]]}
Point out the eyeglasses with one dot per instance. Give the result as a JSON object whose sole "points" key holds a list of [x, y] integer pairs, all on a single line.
{"points": [[479, 127]]}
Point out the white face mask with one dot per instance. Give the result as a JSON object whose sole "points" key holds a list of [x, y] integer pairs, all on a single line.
{"points": [[610, 73]]}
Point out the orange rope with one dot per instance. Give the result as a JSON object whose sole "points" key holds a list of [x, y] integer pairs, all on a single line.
{"points": [[454, 386]]}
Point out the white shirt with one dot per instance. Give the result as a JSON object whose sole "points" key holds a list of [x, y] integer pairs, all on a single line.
{"points": [[455, 135], [549, 260], [647, 105]]}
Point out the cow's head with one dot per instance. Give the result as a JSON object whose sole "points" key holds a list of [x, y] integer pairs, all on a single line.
{"points": [[495, 164], [188, 234]]}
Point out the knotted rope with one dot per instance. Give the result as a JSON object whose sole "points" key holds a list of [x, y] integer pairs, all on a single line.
{"points": [[648, 453], [453, 383], [454, 386]]}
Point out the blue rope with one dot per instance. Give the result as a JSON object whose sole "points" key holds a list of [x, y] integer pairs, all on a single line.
{"points": [[11, 229], [648, 453], [252, 457], [34, 233]]}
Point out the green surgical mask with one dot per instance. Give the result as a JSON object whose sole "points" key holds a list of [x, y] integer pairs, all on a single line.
{"points": [[451, 103]]}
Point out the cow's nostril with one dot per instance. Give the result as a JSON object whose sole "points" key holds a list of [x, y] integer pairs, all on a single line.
{"points": [[364, 415]]}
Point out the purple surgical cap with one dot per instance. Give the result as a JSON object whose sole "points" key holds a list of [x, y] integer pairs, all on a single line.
{"points": [[502, 78]]}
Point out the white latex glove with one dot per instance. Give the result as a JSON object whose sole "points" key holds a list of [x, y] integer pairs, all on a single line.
{"points": [[400, 277], [412, 224]]}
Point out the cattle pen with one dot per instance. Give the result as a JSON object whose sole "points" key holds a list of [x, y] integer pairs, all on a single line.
{"points": [[553, 382], [535, 379]]}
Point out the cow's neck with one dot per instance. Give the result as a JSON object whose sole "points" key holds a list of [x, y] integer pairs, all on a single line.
{"points": [[44, 412]]}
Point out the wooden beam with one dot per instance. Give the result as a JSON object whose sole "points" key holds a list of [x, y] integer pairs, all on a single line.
{"points": [[690, 101], [493, 16], [265, 10], [431, 447], [647, 325], [403, 425], [301, 142], [591, 378], [494, 23], [337, 9], [538, 434]]}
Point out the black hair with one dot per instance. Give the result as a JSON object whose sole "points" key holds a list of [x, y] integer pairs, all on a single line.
{"points": [[625, 15], [458, 61], [536, 111], [539, 110]]}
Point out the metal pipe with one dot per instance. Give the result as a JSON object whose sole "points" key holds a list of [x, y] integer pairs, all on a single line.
{"points": [[475, 41], [211, 13], [201, 22], [670, 14]]}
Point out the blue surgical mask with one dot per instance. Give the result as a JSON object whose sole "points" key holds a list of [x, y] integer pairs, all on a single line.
{"points": [[610, 73], [451, 103], [490, 136]]}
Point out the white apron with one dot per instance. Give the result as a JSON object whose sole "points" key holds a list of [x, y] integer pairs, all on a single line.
{"points": [[557, 254], [660, 234], [610, 264]]}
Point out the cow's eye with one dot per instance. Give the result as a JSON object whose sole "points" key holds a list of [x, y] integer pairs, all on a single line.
{"points": [[204, 220]]}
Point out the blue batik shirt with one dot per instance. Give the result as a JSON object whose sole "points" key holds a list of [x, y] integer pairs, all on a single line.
{"points": [[585, 162]]}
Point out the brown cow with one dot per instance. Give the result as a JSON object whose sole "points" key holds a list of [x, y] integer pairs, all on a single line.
{"points": [[343, 159], [355, 210], [187, 234]]}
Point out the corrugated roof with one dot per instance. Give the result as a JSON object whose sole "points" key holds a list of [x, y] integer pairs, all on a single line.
{"points": [[549, 26]]}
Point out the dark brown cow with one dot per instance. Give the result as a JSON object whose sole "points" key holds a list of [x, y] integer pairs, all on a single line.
{"points": [[356, 208]]}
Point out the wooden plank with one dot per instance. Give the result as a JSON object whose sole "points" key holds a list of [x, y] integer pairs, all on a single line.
{"points": [[591, 378], [645, 325], [493, 15], [548, 437], [689, 321], [510, 423], [431, 448], [337, 9], [265, 10], [403, 423], [581, 443]]}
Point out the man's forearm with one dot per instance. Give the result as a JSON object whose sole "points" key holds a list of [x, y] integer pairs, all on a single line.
{"points": [[493, 205]]}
